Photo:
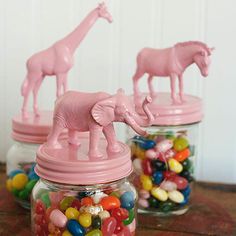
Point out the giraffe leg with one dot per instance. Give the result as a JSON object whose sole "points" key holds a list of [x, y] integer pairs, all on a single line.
{"points": [[65, 84], [138, 74], [150, 86], [60, 80], [35, 94]]}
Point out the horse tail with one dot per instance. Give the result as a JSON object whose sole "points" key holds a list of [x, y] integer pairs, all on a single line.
{"points": [[24, 87]]}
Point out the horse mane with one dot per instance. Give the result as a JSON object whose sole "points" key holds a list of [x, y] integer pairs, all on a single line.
{"points": [[197, 43]]}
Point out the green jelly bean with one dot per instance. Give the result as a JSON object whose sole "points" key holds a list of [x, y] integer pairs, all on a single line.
{"points": [[30, 185], [153, 202], [115, 194], [46, 200], [66, 202], [130, 219], [24, 194], [170, 135], [187, 164], [96, 222], [180, 144], [166, 206], [95, 232], [15, 192]]}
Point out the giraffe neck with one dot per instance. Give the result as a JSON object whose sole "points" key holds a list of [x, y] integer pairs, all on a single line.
{"points": [[74, 39]]}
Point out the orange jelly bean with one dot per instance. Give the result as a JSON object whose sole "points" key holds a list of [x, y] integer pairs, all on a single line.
{"points": [[182, 155], [86, 201], [110, 202]]}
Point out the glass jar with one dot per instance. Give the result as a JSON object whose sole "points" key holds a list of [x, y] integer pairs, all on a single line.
{"points": [[28, 134], [164, 160], [78, 196]]}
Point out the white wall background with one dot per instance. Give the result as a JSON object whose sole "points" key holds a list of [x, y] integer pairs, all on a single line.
{"points": [[106, 60]]}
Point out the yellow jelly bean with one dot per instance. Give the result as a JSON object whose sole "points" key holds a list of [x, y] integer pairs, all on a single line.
{"points": [[140, 153], [146, 182], [19, 181], [66, 233], [9, 185], [176, 196], [72, 213], [175, 166], [159, 194], [95, 232], [85, 219]]}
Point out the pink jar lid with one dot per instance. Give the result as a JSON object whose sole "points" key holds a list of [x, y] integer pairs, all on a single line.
{"points": [[71, 164], [34, 129], [191, 111]]}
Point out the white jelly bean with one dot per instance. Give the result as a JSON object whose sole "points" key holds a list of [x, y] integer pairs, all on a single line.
{"points": [[176, 196], [168, 185]]}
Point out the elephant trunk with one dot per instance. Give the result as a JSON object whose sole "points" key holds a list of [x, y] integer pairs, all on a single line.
{"points": [[150, 117], [130, 121]]}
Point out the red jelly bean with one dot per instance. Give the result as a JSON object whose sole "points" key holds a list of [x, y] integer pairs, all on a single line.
{"points": [[182, 155], [181, 182], [119, 227], [120, 214], [108, 226], [169, 174], [76, 204], [39, 207], [124, 232], [110, 202], [87, 201], [147, 169]]}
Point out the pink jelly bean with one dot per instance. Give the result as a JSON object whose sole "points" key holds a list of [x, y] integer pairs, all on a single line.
{"points": [[170, 153], [143, 203], [168, 185], [58, 218], [144, 194], [164, 145], [181, 182], [132, 226], [151, 154], [109, 226]]}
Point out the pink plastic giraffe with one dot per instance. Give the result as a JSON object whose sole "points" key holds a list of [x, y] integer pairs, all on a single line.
{"points": [[58, 59]]}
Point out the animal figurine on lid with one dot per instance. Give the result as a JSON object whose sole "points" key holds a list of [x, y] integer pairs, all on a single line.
{"points": [[58, 59], [96, 112], [171, 62]]}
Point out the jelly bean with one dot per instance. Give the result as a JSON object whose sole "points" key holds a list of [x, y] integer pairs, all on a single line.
{"points": [[169, 174], [119, 227], [46, 200], [181, 182], [15, 172], [137, 164], [95, 232], [86, 201], [33, 176], [187, 175], [127, 200], [160, 138], [144, 194], [170, 134], [24, 194], [72, 213], [168, 185], [98, 196], [180, 143], [15, 192], [9, 185], [182, 155], [157, 177], [186, 192], [124, 232], [170, 153], [66, 233], [53, 230], [19, 181], [39, 207], [75, 228], [139, 152], [30, 185], [76, 204], [110, 202], [85, 194], [153, 202], [187, 164], [164, 145], [151, 154], [132, 226], [58, 218], [93, 210], [130, 217], [109, 226], [176, 196], [145, 143], [159, 194], [166, 206], [146, 165], [143, 203], [184, 202], [120, 214], [48, 213], [158, 165], [96, 222], [55, 198], [66, 202], [175, 165], [146, 182], [85, 219], [104, 215]]}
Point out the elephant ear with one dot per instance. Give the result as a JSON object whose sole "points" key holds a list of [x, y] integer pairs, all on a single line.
{"points": [[103, 112]]}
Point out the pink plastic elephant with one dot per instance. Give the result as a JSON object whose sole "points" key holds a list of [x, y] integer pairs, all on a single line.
{"points": [[171, 62], [58, 59], [96, 112]]}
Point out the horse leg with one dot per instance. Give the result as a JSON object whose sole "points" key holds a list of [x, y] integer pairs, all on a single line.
{"points": [[172, 85], [150, 86], [181, 88], [60, 80], [35, 94], [138, 74]]}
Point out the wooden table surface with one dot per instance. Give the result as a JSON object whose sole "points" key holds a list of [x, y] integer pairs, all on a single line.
{"points": [[213, 212]]}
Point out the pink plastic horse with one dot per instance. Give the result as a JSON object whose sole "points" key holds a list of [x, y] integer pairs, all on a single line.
{"points": [[58, 59], [171, 62]]}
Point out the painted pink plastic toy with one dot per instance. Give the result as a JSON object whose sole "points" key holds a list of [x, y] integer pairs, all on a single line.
{"points": [[58, 59], [96, 112], [171, 62]]}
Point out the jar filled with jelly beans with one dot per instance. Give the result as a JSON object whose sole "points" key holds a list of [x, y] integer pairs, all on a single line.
{"points": [[78, 196], [163, 160], [27, 134]]}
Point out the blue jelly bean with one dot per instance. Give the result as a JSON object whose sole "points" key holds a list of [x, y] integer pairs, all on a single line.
{"points": [[15, 172], [184, 202], [144, 143], [127, 200], [157, 177], [32, 175], [75, 228], [186, 192]]}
